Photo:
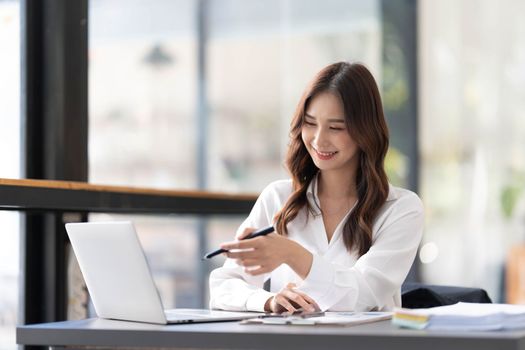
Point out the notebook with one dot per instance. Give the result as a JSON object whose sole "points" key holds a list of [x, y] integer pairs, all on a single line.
{"points": [[119, 280]]}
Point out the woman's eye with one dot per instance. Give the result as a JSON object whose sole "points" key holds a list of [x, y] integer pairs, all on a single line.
{"points": [[336, 129], [309, 123]]}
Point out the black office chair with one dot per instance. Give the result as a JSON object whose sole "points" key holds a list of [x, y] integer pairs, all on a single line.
{"points": [[419, 295]]}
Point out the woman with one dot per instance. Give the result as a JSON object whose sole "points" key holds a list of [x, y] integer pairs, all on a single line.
{"points": [[345, 239]]}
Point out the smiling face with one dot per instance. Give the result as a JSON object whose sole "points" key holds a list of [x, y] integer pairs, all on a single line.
{"points": [[325, 134]]}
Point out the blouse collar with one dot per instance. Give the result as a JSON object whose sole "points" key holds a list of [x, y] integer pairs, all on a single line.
{"points": [[313, 197]]}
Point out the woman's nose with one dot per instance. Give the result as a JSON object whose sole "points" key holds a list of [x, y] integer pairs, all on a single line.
{"points": [[320, 137]]}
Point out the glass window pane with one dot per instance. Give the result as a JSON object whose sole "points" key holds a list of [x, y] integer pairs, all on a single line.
{"points": [[9, 276], [143, 83], [472, 139], [10, 89], [9, 167], [142, 93], [261, 55]]}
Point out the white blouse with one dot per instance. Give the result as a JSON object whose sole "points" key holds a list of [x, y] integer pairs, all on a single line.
{"points": [[338, 280]]}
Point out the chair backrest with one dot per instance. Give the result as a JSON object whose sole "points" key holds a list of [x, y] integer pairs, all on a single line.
{"points": [[419, 295]]}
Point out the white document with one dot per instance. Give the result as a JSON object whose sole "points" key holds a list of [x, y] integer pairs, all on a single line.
{"points": [[463, 316], [329, 318]]}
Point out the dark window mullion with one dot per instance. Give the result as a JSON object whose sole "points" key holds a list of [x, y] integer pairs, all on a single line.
{"points": [[400, 87], [54, 138]]}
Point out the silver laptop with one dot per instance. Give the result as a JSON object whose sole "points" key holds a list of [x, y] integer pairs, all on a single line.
{"points": [[119, 281]]}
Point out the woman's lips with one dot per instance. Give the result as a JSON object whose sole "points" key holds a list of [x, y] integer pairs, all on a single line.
{"points": [[324, 155]]}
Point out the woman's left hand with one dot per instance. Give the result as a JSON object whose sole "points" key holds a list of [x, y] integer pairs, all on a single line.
{"points": [[261, 254]]}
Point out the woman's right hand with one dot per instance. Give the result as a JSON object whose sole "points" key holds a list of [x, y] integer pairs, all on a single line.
{"points": [[290, 300]]}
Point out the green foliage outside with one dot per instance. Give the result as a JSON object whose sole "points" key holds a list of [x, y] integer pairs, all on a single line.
{"points": [[511, 193]]}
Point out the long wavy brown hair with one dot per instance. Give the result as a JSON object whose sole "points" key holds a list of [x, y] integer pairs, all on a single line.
{"points": [[366, 124]]}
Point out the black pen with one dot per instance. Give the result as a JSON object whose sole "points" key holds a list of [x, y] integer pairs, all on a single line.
{"points": [[256, 233]]}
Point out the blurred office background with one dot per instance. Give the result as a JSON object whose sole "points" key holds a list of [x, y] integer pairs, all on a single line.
{"points": [[188, 94]]}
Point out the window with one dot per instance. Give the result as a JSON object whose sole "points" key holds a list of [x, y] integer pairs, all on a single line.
{"points": [[472, 139], [261, 55], [145, 100], [142, 86], [9, 167]]}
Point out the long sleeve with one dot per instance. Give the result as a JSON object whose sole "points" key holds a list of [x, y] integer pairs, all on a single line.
{"points": [[230, 287], [338, 280], [376, 277]]}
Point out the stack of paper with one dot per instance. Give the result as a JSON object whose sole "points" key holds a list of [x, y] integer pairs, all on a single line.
{"points": [[463, 316]]}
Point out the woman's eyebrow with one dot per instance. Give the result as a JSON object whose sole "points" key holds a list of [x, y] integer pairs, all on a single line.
{"points": [[332, 120]]}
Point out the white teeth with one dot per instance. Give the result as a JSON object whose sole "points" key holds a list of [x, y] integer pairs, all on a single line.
{"points": [[325, 154]]}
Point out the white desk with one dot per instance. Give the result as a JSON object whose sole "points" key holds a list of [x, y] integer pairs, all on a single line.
{"points": [[91, 333]]}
